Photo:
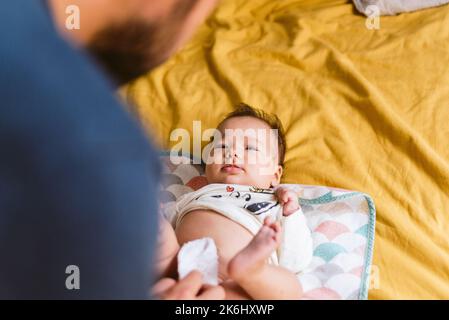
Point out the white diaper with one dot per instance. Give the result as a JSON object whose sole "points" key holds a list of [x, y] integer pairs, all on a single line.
{"points": [[249, 207]]}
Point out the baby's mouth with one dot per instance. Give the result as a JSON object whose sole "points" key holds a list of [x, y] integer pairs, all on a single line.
{"points": [[232, 168]]}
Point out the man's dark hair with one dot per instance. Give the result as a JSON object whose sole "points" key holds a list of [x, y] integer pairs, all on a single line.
{"points": [[244, 110]]}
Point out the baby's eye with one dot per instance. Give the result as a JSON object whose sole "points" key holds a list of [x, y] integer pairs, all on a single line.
{"points": [[221, 146], [251, 148]]}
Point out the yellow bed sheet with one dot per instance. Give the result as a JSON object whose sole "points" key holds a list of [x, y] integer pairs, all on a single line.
{"points": [[364, 110]]}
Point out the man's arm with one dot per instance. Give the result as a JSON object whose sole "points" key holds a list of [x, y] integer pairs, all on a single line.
{"points": [[78, 179]]}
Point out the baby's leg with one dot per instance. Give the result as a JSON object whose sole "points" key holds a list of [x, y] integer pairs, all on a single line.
{"points": [[259, 279], [167, 250], [233, 291]]}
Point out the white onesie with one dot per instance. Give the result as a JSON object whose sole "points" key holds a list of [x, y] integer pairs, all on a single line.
{"points": [[249, 206]]}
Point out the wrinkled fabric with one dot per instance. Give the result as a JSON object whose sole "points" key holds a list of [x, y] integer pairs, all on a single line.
{"points": [[364, 109]]}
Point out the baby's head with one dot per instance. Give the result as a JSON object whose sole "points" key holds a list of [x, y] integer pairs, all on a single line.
{"points": [[248, 150]]}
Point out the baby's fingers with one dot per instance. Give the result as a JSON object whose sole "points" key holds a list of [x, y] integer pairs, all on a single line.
{"points": [[286, 197], [281, 193], [290, 207], [267, 222], [277, 231], [276, 227]]}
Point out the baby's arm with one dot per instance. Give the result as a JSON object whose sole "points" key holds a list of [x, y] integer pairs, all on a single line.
{"points": [[288, 198]]}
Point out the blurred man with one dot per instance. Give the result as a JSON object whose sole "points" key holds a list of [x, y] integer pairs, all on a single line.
{"points": [[78, 178]]}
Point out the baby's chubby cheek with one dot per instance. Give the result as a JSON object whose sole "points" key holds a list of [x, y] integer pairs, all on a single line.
{"points": [[259, 180], [212, 173]]}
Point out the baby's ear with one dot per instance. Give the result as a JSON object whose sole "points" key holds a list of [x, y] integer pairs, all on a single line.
{"points": [[277, 176]]}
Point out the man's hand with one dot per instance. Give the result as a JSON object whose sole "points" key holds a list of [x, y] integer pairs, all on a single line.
{"points": [[288, 199], [189, 288]]}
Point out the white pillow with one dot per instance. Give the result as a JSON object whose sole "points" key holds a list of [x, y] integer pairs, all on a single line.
{"points": [[392, 7]]}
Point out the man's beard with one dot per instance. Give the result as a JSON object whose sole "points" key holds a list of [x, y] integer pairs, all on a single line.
{"points": [[130, 49]]}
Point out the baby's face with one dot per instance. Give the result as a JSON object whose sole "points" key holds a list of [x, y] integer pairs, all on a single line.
{"points": [[246, 154]]}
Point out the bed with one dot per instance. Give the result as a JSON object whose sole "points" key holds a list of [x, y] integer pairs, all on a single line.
{"points": [[364, 109]]}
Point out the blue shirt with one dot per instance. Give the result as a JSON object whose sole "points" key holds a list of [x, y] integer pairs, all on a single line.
{"points": [[78, 178]]}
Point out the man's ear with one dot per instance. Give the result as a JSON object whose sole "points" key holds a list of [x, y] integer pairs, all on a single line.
{"points": [[277, 176]]}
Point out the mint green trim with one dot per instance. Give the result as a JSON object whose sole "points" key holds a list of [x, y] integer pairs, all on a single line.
{"points": [[363, 295], [327, 198]]}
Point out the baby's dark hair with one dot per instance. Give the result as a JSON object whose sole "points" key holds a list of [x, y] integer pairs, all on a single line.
{"points": [[244, 110]]}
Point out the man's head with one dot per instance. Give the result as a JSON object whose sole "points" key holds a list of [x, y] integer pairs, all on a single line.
{"points": [[249, 149], [131, 37]]}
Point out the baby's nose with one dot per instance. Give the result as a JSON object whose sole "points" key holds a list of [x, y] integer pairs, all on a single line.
{"points": [[235, 153]]}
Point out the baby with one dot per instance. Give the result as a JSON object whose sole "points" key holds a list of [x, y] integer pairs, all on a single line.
{"points": [[242, 210]]}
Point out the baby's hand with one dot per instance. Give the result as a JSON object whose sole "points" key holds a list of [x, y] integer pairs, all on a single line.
{"points": [[288, 199]]}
